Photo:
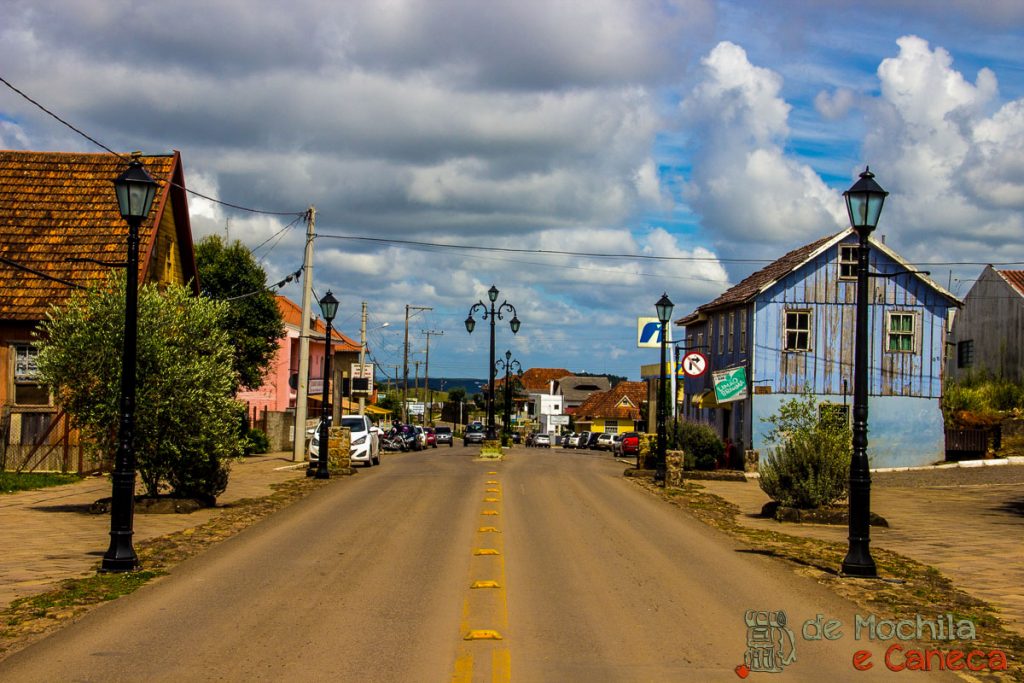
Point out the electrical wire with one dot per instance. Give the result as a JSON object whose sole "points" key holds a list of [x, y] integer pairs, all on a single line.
{"points": [[122, 157]]}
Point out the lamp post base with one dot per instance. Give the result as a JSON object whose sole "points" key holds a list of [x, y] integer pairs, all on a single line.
{"points": [[120, 556], [859, 564]]}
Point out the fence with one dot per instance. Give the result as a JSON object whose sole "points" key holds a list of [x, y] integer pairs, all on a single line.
{"points": [[963, 444], [41, 442]]}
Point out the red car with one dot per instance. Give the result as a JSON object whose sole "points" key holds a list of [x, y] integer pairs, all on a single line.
{"points": [[431, 437], [629, 444]]}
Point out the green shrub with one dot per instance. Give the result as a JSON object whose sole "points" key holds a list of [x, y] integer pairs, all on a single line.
{"points": [[980, 398], [258, 442], [810, 465], [699, 441]]}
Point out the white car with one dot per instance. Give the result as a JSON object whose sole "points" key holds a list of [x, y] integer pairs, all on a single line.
{"points": [[365, 444], [604, 442]]}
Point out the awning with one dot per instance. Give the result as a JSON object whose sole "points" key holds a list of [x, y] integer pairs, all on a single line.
{"points": [[376, 410], [707, 400]]}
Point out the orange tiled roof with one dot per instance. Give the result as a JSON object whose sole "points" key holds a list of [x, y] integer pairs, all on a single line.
{"points": [[536, 380], [1015, 278], [623, 401], [55, 206], [292, 314]]}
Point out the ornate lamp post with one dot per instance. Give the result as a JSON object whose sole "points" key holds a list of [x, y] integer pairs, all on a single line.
{"points": [[507, 366], [135, 190], [329, 308], [864, 204], [664, 309], [491, 314]]}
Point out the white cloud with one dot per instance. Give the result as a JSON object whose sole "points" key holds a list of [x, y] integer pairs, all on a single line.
{"points": [[953, 169], [743, 183], [835, 106]]}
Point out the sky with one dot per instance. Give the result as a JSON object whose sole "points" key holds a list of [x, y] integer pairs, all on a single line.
{"points": [[584, 157]]}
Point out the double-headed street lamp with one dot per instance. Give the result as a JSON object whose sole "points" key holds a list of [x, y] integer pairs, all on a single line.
{"points": [[507, 366], [664, 308], [864, 204], [329, 308], [491, 314], [135, 190]]}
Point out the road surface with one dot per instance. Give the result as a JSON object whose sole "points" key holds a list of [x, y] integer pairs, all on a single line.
{"points": [[437, 566]]}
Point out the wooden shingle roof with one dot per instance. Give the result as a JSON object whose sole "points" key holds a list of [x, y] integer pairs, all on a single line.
{"points": [[1015, 278], [291, 313], [761, 280], [621, 402], [57, 206]]}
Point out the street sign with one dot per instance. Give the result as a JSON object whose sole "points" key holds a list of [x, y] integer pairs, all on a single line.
{"points": [[648, 333], [694, 364], [731, 384], [362, 378]]}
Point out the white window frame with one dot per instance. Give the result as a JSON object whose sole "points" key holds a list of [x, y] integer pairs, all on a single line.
{"points": [[891, 334], [846, 264], [729, 331], [786, 330]]}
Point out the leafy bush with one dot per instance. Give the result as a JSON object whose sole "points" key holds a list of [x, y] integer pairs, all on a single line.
{"points": [[258, 442], [699, 441], [979, 399], [810, 466]]}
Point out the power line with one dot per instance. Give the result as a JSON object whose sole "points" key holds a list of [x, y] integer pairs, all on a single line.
{"points": [[122, 157]]}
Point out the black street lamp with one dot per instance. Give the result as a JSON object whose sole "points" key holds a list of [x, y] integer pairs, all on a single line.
{"points": [[491, 314], [329, 308], [135, 190], [864, 204], [664, 309], [507, 366]]}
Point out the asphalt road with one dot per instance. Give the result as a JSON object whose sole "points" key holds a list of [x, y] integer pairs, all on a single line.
{"points": [[436, 566]]}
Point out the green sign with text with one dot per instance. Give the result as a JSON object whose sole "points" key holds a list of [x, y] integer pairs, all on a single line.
{"points": [[731, 384]]}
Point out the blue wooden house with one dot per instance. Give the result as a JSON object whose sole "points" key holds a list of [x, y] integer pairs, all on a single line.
{"points": [[790, 325]]}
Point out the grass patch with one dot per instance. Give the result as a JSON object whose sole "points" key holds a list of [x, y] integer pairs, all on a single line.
{"points": [[28, 619], [905, 586], [28, 481]]}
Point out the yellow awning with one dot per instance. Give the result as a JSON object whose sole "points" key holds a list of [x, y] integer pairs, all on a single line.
{"points": [[707, 399], [376, 410]]}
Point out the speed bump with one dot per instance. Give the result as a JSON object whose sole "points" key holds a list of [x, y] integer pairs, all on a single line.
{"points": [[492, 482], [492, 490], [483, 634], [492, 500]]}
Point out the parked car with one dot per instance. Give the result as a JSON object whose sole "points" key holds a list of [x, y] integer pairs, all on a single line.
{"points": [[431, 436], [604, 442], [629, 444], [616, 438], [421, 438], [443, 435], [542, 441], [364, 445], [474, 434], [573, 440], [592, 441], [584, 440]]}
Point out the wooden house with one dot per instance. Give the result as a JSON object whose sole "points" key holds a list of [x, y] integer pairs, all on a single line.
{"points": [[60, 231], [790, 326], [987, 335]]}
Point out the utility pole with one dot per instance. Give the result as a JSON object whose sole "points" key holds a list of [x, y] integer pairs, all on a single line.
{"points": [[405, 361], [416, 380], [302, 385], [426, 374], [362, 358]]}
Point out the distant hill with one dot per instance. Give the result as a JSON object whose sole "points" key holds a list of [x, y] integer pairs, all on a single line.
{"points": [[471, 385]]}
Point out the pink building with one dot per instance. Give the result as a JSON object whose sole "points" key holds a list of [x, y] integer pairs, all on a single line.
{"points": [[277, 393]]}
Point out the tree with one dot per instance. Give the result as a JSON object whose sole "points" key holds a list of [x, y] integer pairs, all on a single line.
{"points": [[253, 320], [186, 419]]}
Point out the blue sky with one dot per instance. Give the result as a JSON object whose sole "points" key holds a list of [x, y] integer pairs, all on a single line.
{"points": [[718, 133]]}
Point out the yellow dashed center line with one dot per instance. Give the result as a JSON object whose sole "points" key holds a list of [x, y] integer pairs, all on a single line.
{"points": [[485, 605]]}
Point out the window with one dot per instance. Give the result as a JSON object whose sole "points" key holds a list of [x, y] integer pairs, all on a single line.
{"points": [[798, 331], [611, 426], [900, 333], [721, 332], [732, 326], [25, 369], [700, 341], [847, 261], [743, 332], [965, 353]]}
